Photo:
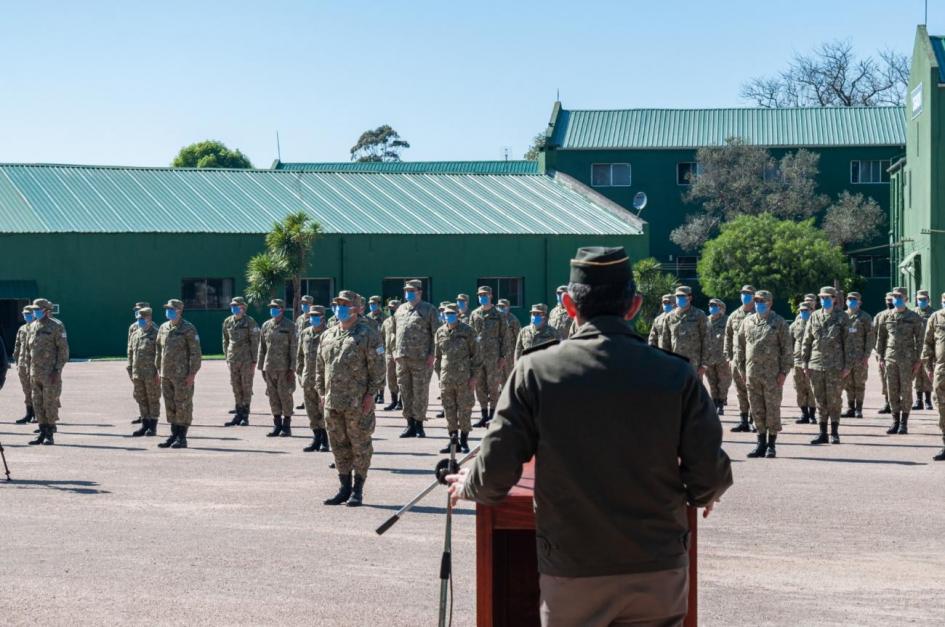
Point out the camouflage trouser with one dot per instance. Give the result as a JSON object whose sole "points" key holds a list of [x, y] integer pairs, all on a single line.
{"points": [[457, 406], [882, 377], [147, 394], [855, 383], [488, 383], [279, 387], [764, 393], [25, 384], [828, 387], [241, 378], [720, 380], [45, 393], [923, 383], [741, 391], [899, 386], [392, 376], [178, 401], [938, 381], [802, 388], [413, 379], [313, 407], [349, 432]]}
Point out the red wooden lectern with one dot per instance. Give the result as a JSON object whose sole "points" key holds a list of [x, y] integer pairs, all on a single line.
{"points": [[507, 564]]}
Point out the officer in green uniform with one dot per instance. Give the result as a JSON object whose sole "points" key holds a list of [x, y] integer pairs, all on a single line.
{"points": [[667, 305], [862, 342], [456, 362], [899, 342], [278, 350], [142, 346], [877, 320], [747, 295], [718, 372], [803, 391], [241, 348], [389, 335], [826, 361], [131, 329], [47, 354], [309, 340], [933, 355], [177, 358]]}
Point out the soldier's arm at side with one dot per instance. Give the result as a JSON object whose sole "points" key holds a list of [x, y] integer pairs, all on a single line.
{"points": [[807, 344], [704, 330], [475, 355], [787, 349], [928, 348], [518, 345], [300, 356], [17, 347], [652, 338], [320, 369], [226, 338], [261, 350], [376, 367], [704, 467], [437, 357], [870, 339], [195, 354], [254, 341], [727, 348], [62, 352], [157, 352], [130, 352], [293, 348], [740, 349]]}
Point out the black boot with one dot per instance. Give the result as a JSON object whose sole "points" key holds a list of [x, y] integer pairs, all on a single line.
{"points": [[894, 429], [144, 428], [762, 446], [441, 414], [237, 417], [344, 492], [286, 427], [50, 430], [742, 427], [720, 407], [393, 403], [323, 441], [822, 438], [851, 410], [420, 432], [928, 400], [357, 492], [859, 410], [400, 404], [171, 440], [484, 421], [904, 423], [805, 417], [464, 441], [181, 437], [311, 448], [276, 427], [812, 412], [28, 418], [886, 409], [301, 406], [449, 446], [941, 455], [771, 453], [42, 436], [918, 401], [835, 432], [379, 398], [411, 430], [152, 427], [244, 420]]}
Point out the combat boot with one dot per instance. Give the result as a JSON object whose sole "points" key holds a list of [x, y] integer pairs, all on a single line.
{"points": [[171, 440], [39, 439], [357, 492], [484, 421], [244, 420], [904, 424], [420, 432], [928, 400], [286, 427], [771, 453], [344, 492], [411, 430], [464, 441], [941, 455], [822, 438], [859, 410], [393, 403], [311, 448], [28, 418], [237, 417], [918, 401], [812, 412], [181, 437], [894, 429], [441, 414], [720, 407], [276, 427], [742, 427], [850, 412], [301, 406], [400, 404], [152, 427], [835, 433], [761, 448], [450, 445], [145, 422], [323, 440], [886, 409], [50, 430], [379, 398], [805, 417]]}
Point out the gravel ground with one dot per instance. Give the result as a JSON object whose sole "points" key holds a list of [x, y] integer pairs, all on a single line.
{"points": [[107, 529]]}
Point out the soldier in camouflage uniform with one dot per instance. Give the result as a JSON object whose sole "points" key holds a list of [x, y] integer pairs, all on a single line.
{"points": [[923, 383], [456, 362], [131, 329], [826, 361], [862, 342], [494, 349], [389, 335], [309, 340], [349, 369], [376, 316], [241, 348], [142, 348], [514, 328], [462, 307], [47, 353], [877, 320], [718, 372], [278, 351], [559, 318], [765, 355], [177, 359], [802, 387], [538, 332], [415, 328], [933, 355], [22, 365], [899, 341], [686, 331], [656, 329], [301, 321], [747, 295]]}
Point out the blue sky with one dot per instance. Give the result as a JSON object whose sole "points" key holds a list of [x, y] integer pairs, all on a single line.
{"points": [[130, 83]]}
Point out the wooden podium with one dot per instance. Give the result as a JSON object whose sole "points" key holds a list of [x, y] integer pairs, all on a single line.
{"points": [[507, 563]]}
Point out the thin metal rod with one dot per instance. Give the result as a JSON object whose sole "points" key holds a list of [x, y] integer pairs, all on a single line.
{"points": [[446, 566], [6, 468]]}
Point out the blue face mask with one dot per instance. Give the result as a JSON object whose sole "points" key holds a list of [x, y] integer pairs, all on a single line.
{"points": [[342, 312], [451, 318], [274, 311], [502, 309], [410, 295], [235, 310], [483, 299], [170, 314], [826, 302], [142, 322], [537, 319], [805, 315], [923, 303], [713, 309], [667, 307], [746, 299], [28, 317], [899, 302], [853, 303], [305, 307], [374, 307], [682, 301], [315, 321], [462, 305], [39, 314], [761, 307]]}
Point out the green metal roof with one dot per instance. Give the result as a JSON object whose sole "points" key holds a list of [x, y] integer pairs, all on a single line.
{"points": [[74, 198], [938, 47], [417, 167], [694, 128]]}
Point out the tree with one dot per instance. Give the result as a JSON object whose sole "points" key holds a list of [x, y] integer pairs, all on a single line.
{"points": [[832, 76], [741, 179], [537, 146], [785, 257], [264, 273], [380, 144], [853, 219], [288, 247], [651, 283], [210, 154]]}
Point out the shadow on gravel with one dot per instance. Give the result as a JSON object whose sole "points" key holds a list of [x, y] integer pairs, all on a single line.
{"points": [[404, 471], [410, 453], [98, 446], [843, 460], [61, 424], [76, 487], [425, 509], [234, 450]]}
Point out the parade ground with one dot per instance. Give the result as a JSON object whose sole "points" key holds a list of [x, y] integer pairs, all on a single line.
{"points": [[105, 529]]}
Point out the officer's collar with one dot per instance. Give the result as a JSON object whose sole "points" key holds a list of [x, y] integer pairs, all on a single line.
{"points": [[605, 325]]}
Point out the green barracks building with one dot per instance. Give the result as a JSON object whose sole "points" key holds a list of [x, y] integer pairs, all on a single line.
{"points": [[917, 236], [97, 239]]}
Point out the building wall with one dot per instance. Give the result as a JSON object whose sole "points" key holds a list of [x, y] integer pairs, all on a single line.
{"points": [[96, 278]]}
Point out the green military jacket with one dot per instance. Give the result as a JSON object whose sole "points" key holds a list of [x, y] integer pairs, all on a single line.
{"points": [[731, 331], [862, 335], [656, 330], [686, 333], [20, 350], [492, 331], [415, 327], [389, 333], [48, 347], [530, 337], [900, 337], [456, 356], [798, 327], [240, 340], [827, 341], [933, 351], [716, 353], [513, 328], [307, 358], [349, 366], [376, 318], [177, 354], [560, 320], [142, 349], [765, 347], [278, 345]]}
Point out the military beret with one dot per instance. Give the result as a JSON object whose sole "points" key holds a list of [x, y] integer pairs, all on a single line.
{"points": [[42, 303], [922, 293], [144, 312], [308, 300], [539, 308], [142, 304], [747, 289], [804, 306], [601, 265], [449, 308], [375, 299], [683, 290], [484, 289], [347, 296], [666, 298], [763, 295], [316, 310], [277, 302], [413, 284], [561, 288], [504, 301], [238, 300], [174, 304], [855, 295], [828, 291]]}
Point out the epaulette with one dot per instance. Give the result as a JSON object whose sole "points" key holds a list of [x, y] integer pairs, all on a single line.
{"points": [[671, 354], [539, 347]]}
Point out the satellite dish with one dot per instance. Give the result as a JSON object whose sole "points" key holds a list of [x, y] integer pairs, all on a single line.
{"points": [[639, 201]]}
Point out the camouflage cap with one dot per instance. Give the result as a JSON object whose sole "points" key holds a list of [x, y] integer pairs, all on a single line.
{"points": [[763, 295], [347, 296], [804, 306], [484, 289], [316, 310], [277, 302], [375, 299], [541, 308], [307, 300], [889, 295], [413, 284], [238, 300], [28, 309], [174, 304], [142, 304], [449, 308], [747, 289], [464, 297], [922, 293], [358, 300], [810, 296], [393, 303], [42, 303], [716, 301], [901, 288], [827, 291], [855, 295], [683, 290], [444, 304], [561, 288], [504, 301], [900, 291], [666, 298], [145, 312]]}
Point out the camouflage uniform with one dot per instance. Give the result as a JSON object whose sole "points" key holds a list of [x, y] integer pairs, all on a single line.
{"points": [[826, 351], [415, 328], [656, 329], [278, 351], [47, 354], [765, 352], [301, 321], [686, 332], [530, 335], [802, 387], [731, 351], [463, 310], [306, 366], [559, 318], [177, 356], [456, 362], [862, 342], [933, 356], [131, 329], [389, 335], [718, 372], [493, 336], [20, 356], [514, 327], [144, 375], [241, 347], [899, 340], [923, 382]]}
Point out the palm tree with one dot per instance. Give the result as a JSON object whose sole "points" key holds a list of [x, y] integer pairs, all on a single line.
{"points": [[293, 240], [264, 273]]}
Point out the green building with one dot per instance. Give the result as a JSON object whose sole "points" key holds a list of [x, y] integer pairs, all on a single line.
{"points": [[917, 194], [97, 239]]}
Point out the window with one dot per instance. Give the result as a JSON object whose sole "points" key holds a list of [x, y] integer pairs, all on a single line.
{"points": [[393, 287], [511, 288], [871, 266], [687, 172], [322, 290], [610, 175], [864, 172], [206, 293], [682, 267]]}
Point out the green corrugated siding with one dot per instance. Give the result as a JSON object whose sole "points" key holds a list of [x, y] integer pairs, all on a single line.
{"points": [[417, 167], [75, 199], [693, 128]]}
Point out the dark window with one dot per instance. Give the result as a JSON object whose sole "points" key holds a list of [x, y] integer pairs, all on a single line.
{"points": [[322, 290], [206, 293], [687, 172], [867, 172], [610, 175], [600, 175], [511, 288], [872, 266], [393, 287], [682, 267]]}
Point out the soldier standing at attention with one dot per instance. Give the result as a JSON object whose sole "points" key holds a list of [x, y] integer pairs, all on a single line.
{"points": [[143, 374], [559, 318], [462, 307], [765, 355], [131, 329], [301, 321], [747, 295], [309, 340], [718, 372], [923, 384], [862, 342], [826, 361], [389, 335], [22, 365], [375, 315], [415, 326], [538, 332], [877, 320], [802, 387], [933, 354], [456, 364], [177, 360], [494, 350], [686, 331], [514, 328], [278, 351], [899, 341], [241, 347], [47, 354], [349, 369], [656, 330]]}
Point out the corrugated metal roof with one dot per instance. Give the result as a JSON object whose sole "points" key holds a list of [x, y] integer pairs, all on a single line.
{"points": [[68, 198], [938, 47], [417, 167], [694, 128]]}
